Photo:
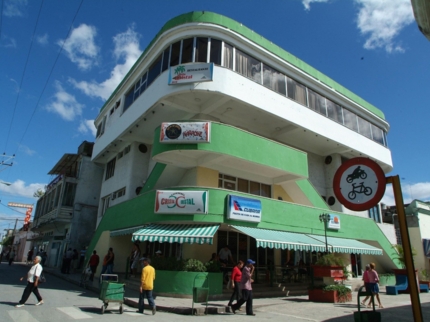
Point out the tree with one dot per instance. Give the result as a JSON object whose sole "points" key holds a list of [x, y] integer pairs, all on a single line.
{"points": [[38, 193]]}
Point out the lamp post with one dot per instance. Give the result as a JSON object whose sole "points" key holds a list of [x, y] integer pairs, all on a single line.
{"points": [[325, 218]]}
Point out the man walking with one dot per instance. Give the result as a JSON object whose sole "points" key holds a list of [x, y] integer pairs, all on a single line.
{"points": [[245, 282], [11, 256], [32, 283], [146, 286], [93, 263]]}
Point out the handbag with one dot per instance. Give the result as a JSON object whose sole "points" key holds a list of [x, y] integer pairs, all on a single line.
{"points": [[229, 286], [42, 279], [88, 271]]}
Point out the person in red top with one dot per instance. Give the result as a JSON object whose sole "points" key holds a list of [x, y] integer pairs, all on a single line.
{"points": [[93, 263], [236, 276], [366, 283]]}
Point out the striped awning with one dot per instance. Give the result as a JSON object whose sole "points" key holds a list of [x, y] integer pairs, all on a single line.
{"points": [[282, 239], [125, 231], [177, 233], [345, 245]]}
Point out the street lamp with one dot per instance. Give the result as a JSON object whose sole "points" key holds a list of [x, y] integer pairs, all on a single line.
{"points": [[325, 218]]}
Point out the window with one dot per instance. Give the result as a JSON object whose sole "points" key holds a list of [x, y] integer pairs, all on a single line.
{"points": [[69, 194], [187, 50], [127, 149], [201, 50], [245, 186], [350, 120], [317, 102], [375, 214], [174, 53], [105, 204], [129, 97], [119, 193], [110, 169], [274, 80], [154, 70], [166, 54], [364, 127], [120, 155], [215, 55], [248, 66], [296, 91], [334, 111], [377, 135], [101, 128], [228, 56]]}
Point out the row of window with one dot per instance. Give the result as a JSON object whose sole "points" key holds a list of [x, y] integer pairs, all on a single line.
{"points": [[202, 49], [51, 199], [243, 185], [119, 193], [110, 167]]}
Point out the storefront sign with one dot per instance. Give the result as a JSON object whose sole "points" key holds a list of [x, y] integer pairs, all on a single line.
{"points": [[191, 73], [190, 132], [334, 222], [244, 209], [181, 202]]}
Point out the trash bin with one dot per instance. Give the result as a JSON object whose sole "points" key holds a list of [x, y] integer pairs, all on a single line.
{"points": [[200, 292]]}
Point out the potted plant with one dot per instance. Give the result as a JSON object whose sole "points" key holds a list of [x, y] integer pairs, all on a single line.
{"points": [[329, 265], [335, 293], [425, 277]]}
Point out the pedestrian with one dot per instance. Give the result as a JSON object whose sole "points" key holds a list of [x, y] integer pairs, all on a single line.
{"points": [[11, 256], [159, 254], [108, 262], [134, 259], [236, 277], [82, 253], [225, 255], [373, 284], [93, 263], [146, 286], [366, 284], [33, 276], [75, 260], [67, 261], [30, 256], [245, 284]]}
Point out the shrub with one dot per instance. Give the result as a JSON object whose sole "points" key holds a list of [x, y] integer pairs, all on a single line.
{"points": [[213, 266], [194, 265], [330, 260]]}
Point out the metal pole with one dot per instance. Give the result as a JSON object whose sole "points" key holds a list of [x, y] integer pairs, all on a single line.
{"points": [[407, 251], [325, 233]]}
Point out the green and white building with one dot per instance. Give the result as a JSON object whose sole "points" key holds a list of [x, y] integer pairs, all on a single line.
{"points": [[218, 136]]}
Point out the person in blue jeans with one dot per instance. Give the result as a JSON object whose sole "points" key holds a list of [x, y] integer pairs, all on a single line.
{"points": [[146, 286], [245, 283], [108, 262]]}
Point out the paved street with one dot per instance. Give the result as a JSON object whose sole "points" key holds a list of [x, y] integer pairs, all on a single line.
{"points": [[65, 301]]}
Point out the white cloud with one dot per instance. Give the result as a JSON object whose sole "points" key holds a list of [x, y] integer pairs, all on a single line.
{"points": [[8, 42], [126, 52], [19, 188], [307, 3], [80, 46], [43, 40], [420, 191], [382, 20], [26, 149], [64, 104], [14, 8], [87, 126]]}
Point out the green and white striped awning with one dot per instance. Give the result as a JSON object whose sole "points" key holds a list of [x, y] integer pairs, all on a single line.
{"points": [[282, 239], [125, 231], [177, 233], [345, 245]]}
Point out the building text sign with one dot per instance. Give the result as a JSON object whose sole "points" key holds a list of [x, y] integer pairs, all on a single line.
{"points": [[187, 132], [191, 73], [181, 202], [334, 222], [244, 209]]}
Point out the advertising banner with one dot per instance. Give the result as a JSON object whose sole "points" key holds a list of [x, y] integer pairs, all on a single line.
{"points": [[191, 73], [188, 132], [334, 222], [244, 209], [181, 202]]}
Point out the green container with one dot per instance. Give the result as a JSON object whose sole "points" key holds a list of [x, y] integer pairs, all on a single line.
{"points": [[200, 294], [111, 291]]}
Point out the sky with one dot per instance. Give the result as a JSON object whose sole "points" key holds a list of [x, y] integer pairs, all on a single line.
{"points": [[60, 61]]}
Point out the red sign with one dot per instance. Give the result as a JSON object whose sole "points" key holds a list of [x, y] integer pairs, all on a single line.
{"points": [[28, 215], [359, 184]]}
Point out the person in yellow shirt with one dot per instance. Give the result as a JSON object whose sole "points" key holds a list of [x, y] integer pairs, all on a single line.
{"points": [[147, 285]]}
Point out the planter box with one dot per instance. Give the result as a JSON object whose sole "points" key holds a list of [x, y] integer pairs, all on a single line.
{"points": [[328, 271], [403, 271], [387, 280], [318, 295], [180, 284], [426, 283]]}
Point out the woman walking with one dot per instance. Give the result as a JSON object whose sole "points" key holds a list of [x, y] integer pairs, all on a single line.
{"points": [[236, 276], [373, 283], [366, 284]]}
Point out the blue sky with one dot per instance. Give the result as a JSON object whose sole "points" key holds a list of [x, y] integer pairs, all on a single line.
{"points": [[60, 60]]}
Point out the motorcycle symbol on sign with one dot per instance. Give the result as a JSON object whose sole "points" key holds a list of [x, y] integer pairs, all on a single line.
{"points": [[357, 173]]}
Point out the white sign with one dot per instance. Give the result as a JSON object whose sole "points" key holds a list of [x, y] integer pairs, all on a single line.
{"points": [[190, 132], [244, 209], [191, 73], [334, 222], [181, 202]]}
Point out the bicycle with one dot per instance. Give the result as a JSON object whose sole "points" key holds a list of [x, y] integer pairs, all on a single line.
{"points": [[361, 188]]}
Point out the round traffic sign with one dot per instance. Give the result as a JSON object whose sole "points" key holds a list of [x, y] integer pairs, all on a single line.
{"points": [[359, 184]]}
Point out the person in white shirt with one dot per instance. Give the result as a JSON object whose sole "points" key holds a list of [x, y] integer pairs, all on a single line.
{"points": [[33, 276]]}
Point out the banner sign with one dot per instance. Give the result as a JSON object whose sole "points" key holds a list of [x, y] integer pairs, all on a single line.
{"points": [[191, 73], [181, 202], [334, 222], [244, 209], [190, 132], [19, 205], [27, 215]]}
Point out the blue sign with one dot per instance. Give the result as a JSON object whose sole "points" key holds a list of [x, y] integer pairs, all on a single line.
{"points": [[244, 209]]}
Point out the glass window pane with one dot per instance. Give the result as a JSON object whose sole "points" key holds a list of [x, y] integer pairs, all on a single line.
{"points": [[296, 91], [165, 59], [274, 80], [364, 127], [242, 185], [174, 56], [377, 135], [254, 188], [334, 111], [248, 66], [229, 185], [187, 50], [143, 83], [128, 99], [154, 70], [350, 120], [215, 56], [317, 102], [201, 50], [266, 190], [226, 177], [219, 183], [228, 56]]}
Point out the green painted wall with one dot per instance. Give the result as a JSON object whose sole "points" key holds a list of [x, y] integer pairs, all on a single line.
{"points": [[182, 283], [253, 148], [213, 18]]}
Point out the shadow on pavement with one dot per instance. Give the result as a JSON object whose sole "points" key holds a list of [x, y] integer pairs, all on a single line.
{"points": [[8, 303]]}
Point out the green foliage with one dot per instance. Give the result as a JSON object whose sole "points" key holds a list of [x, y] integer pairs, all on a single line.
{"points": [[194, 265], [213, 266], [347, 274], [330, 260], [7, 241], [342, 291], [425, 274], [401, 254], [167, 264]]}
